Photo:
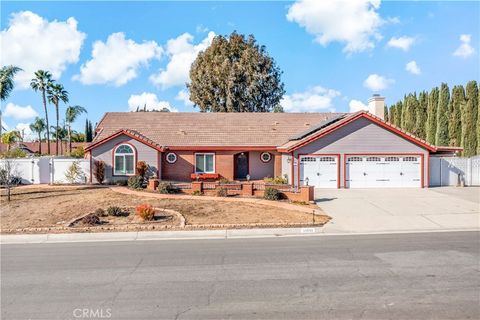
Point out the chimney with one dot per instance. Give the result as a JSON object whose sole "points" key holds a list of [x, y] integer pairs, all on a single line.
{"points": [[376, 105]]}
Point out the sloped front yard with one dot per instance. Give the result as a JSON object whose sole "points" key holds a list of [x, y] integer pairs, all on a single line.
{"points": [[53, 207]]}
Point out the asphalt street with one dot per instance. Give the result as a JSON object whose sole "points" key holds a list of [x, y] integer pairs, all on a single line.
{"points": [[398, 276]]}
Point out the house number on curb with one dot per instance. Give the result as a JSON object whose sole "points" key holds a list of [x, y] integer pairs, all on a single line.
{"points": [[308, 230]]}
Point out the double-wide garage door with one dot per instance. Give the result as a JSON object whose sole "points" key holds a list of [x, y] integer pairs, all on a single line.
{"points": [[362, 171], [383, 171]]}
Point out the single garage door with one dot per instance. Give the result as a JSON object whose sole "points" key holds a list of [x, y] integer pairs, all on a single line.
{"points": [[319, 171], [383, 171]]}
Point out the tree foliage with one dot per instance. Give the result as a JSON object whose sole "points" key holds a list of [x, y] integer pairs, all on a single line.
{"points": [[235, 74], [42, 81], [470, 142], [7, 74], [431, 129], [441, 137], [455, 107]]}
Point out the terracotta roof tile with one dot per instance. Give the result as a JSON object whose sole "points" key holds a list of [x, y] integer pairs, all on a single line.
{"points": [[210, 129]]}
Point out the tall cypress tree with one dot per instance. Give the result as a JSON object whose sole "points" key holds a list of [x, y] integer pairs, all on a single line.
{"points": [[398, 114], [88, 131], [432, 115], [385, 113], [410, 107], [442, 137], [469, 141], [391, 116], [421, 115], [457, 102]]}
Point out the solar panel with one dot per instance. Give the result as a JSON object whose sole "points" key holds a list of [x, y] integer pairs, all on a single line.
{"points": [[316, 127]]}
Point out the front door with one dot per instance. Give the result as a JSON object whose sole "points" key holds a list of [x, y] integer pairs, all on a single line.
{"points": [[241, 165]]}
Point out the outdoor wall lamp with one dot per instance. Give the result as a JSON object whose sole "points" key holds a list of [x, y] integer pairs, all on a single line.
{"points": [[306, 181]]}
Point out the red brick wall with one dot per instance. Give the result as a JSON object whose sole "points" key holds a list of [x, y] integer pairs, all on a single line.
{"points": [[224, 164], [181, 169]]}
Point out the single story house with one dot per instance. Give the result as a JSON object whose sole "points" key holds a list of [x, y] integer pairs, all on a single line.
{"points": [[325, 150]]}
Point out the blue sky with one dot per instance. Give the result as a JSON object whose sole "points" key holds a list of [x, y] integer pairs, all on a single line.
{"points": [[333, 56]]}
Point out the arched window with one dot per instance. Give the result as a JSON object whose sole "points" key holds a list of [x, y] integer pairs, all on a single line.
{"points": [[124, 160]]}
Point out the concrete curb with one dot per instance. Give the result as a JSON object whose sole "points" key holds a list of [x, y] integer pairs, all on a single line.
{"points": [[195, 235]]}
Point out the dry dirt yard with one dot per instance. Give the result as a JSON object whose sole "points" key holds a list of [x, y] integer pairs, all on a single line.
{"points": [[53, 206]]}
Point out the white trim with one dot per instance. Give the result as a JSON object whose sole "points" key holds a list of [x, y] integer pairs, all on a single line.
{"points": [[269, 157], [204, 154], [115, 155], [171, 153]]}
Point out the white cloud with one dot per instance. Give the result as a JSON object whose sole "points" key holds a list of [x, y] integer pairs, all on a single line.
{"points": [[18, 112], [117, 60], [412, 67], [312, 100], [404, 43], [354, 23], [184, 96], [376, 82], [32, 43], [182, 52], [356, 105], [150, 100], [24, 129], [465, 50]]}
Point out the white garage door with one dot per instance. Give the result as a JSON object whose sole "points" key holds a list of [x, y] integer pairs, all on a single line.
{"points": [[321, 171], [383, 171]]}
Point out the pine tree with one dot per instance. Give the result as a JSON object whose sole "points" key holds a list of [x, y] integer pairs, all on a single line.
{"points": [[455, 107], [421, 115], [469, 141], [385, 113], [442, 136], [432, 115], [398, 114]]}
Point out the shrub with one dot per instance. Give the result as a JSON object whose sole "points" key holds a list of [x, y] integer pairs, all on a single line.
{"points": [[197, 193], [122, 182], [142, 168], [224, 180], [166, 187], [222, 192], [100, 212], [13, 153], [271, 194], [135, 182], [115, 211], [145, 211], [276, 180], [99, 171], [74, 173], [14, 180], [91, 219], [78, 152]]}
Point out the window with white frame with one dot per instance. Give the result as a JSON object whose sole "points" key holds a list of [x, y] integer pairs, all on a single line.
{"points": [[171, 157], [204, 162], [266, 156], [124, 160]]}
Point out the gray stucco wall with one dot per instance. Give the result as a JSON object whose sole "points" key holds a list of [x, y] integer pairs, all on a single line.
{"points": [[258, 168], [104, 153], [361, 136]]}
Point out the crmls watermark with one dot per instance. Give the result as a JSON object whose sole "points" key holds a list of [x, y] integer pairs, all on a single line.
{"points": [[85, 313]]}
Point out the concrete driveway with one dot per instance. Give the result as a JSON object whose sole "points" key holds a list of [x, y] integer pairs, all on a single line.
{"points": [[391, 210]]}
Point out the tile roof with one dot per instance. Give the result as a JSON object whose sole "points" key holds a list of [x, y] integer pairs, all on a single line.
{"points": [[195, 129]]}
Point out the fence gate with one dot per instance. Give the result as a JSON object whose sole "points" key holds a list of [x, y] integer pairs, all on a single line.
{"points": [[453, 171]]}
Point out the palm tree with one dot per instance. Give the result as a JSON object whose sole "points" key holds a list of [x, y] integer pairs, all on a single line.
{"points": [[71, 114], [59, 133], [41, 82], [38, 126], [56, 93], [6, 85], [10, 138]]}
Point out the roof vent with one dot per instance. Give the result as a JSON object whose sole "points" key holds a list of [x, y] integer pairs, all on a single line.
{"points": [[182, 132], [307, 124]]}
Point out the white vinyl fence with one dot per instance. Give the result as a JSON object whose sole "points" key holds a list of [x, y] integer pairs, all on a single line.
{"points": [[453, 171], [48, 169]]}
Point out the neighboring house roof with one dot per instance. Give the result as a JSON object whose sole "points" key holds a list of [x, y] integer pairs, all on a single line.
{"points": [[33, 146], [196, 129], [283, 131]]}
